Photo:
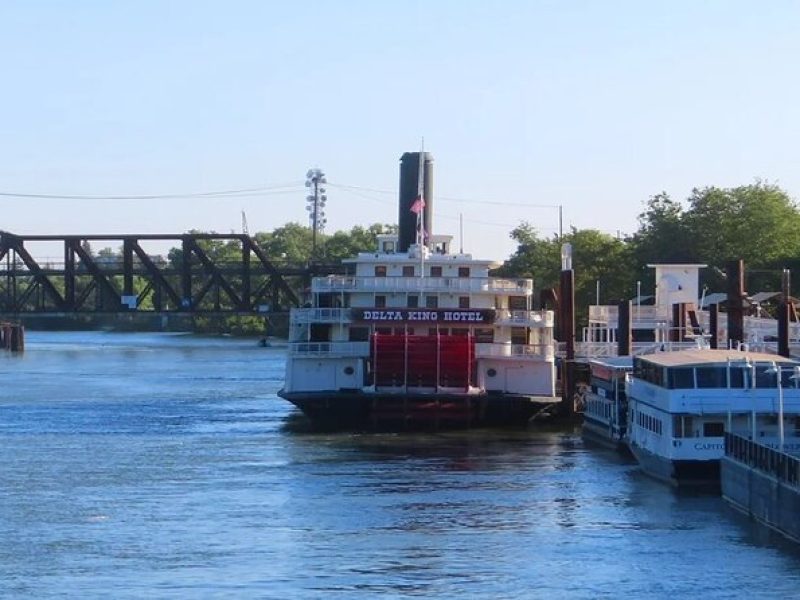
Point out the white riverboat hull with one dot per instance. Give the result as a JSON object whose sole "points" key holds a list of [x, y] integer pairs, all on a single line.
{"points": [[679, 473]]}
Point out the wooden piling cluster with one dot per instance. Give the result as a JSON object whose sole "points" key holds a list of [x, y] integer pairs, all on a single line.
{"points": [[12, 336]]}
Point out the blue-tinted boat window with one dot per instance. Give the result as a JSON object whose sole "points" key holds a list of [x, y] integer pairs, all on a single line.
{"points": [[737, 377], [649, 372], [712, 377], [764, 379], [680, 378], [786, 379]]}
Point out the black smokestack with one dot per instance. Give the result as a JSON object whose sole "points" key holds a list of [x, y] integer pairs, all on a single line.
{"points": [[409, 183]]}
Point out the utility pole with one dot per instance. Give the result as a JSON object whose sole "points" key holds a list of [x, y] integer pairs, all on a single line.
{"points": [[316, 199]]}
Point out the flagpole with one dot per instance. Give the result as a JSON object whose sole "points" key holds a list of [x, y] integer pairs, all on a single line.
{"points": [[421, 213]]}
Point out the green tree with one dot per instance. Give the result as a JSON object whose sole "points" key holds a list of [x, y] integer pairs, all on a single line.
{"points": [[344, 244], [596, 256], [291, 242], [535, 257], [663, 235], [758, 223]]}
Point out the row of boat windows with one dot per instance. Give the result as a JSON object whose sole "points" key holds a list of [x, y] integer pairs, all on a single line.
{"points": [[409, 271], [683, 426], [390, 247], [412, 301], [599, 408], [734, 376], [649, 422]]}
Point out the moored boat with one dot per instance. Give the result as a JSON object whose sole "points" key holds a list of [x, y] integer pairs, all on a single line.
{"points": [[681, 404], [418, 335], [605, 406]]}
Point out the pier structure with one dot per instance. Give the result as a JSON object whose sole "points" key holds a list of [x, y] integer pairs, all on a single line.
{"points": [[679, 317], [763, 483]]}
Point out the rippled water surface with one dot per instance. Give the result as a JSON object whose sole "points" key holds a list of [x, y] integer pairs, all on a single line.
{"points": [[144, 465]]}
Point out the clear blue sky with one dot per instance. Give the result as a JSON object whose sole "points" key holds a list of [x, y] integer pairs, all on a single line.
{"points": [[591, 105]]}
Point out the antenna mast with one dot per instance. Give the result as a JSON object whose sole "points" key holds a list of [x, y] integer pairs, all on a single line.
{"points": [[315, 181]]}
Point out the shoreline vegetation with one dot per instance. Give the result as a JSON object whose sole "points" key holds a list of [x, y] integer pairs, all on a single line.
{"points": [[234, 325]]}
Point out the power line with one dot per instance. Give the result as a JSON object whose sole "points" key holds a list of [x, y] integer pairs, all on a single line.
{"points": [[357, 191], [449, 198], [359, 187], [258, 191], [362, 195]]}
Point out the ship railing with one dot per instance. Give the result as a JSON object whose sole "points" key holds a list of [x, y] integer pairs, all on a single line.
{"points": [[609, 314], [760, 328], [603, 321], [524, 318], [780, 465], [610, 349], [503, 350], [320, 315], [338, 283], [329, 348]]}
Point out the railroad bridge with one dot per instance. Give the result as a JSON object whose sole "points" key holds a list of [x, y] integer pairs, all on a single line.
{"points": [[196, 278]]}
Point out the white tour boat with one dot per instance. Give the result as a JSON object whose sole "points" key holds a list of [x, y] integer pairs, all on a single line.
{"points": [[605, 406], [419, 335], [680, 404]]}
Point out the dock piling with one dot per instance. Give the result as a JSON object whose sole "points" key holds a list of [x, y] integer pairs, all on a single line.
{"points": [[12, 337]]}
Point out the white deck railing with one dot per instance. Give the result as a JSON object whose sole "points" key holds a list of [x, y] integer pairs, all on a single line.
{"points": [[320, 315], [329, 348], [500, 350], [609, 349], [338, 283], [524, 318], [488, 350], [609, 315], [603, 321]]}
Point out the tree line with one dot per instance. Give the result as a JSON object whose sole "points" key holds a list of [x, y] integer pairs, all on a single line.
{"points": [[759, 223]]}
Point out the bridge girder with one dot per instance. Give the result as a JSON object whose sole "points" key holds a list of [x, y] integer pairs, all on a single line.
{"points": [[199, 279]]}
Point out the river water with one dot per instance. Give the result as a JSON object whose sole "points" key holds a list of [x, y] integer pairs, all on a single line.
{"points": [[164, 466]]}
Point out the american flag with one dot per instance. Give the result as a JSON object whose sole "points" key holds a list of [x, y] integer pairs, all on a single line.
{"points": [[418, 205]]}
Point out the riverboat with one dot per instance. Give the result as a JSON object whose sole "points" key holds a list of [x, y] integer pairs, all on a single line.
{"points": [[604, 404], [681, 404], [417, 335]]}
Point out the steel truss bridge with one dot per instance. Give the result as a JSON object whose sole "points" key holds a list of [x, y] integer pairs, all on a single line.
{"points": [[196, 279]]}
